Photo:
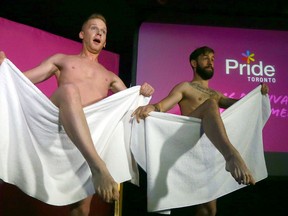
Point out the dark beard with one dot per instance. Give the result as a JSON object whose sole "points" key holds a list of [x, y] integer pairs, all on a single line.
{"points": [[203, 73]]}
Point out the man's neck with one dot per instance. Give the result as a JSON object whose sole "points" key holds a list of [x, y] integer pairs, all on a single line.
{"points": [[201, 82], [89, 55]]}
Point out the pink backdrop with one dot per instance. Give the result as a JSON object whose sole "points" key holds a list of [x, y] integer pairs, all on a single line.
{"points": [[26, 47], [163, 61]]}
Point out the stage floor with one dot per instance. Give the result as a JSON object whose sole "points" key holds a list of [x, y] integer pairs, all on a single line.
{"points": [[267, 197]]}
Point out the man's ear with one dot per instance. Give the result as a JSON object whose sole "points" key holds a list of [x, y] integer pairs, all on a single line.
{"points": [[193, 63], [81, 35]]}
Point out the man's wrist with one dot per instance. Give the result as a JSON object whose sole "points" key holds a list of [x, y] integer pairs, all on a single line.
{"points": [[156, 108]]}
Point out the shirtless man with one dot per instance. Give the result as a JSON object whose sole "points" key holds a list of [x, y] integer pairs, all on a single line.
{"points": [[196, 99], [82, 80]]}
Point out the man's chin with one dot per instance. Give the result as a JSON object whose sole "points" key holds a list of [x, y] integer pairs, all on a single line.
{"points": [[207, 76]]}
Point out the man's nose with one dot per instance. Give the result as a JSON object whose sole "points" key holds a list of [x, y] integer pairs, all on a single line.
{"points": [[98, 31]]}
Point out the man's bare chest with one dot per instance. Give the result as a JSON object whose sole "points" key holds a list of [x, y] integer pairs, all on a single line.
{"points": [[203, 90]]}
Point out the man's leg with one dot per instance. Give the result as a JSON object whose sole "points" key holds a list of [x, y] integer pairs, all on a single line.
{"points": [[67, 99], [206, 209], [81, 208], [214, 129]]}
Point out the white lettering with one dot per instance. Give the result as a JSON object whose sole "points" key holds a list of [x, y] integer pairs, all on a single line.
{"points": [[269, 70], [243, 66], [260, 69], [228, 66], [261, 79], [259, 72]]}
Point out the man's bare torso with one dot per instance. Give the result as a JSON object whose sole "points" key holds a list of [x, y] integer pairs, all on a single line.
{"points": [[194, 95], [91, 78]]}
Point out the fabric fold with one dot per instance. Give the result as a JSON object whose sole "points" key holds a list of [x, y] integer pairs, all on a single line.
{"points": [[36, 154], [184, 168]]}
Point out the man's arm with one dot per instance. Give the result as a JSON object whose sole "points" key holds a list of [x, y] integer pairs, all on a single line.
{"points": [[164, 105], [225, 102], [40, 73], [118, 85], [43, 71]]}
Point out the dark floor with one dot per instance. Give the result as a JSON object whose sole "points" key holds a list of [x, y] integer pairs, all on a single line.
{"points": [[267, 197]]}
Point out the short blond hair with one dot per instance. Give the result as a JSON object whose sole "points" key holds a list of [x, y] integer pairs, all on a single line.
{"points": [[94, 16]]}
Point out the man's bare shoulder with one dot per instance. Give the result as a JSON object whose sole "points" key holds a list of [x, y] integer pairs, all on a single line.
{"points": [[185, 86], [182, 85], [55, 59], [61, 56]]}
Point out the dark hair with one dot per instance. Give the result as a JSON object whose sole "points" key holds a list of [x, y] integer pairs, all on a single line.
{"points": [[95, 16], [201, 50]]}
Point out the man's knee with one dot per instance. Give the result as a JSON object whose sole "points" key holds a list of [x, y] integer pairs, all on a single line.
{"points": [[207, 209], [69, 90], [67, 93], [211, 104], [81, 208], [80, 211], [211, 210]]}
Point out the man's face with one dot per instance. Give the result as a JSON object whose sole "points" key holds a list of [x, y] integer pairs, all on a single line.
{"points": [[205, 66], [94, 35]]}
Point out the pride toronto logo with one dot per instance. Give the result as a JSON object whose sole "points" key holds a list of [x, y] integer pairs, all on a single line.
{"points": [[255, 71]]}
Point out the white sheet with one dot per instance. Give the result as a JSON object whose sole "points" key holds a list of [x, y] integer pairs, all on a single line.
{"points": [[37, 156], [183, 170]]}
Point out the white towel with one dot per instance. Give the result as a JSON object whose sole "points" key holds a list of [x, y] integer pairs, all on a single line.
{"points": [[183, 170], [36, 154]]}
